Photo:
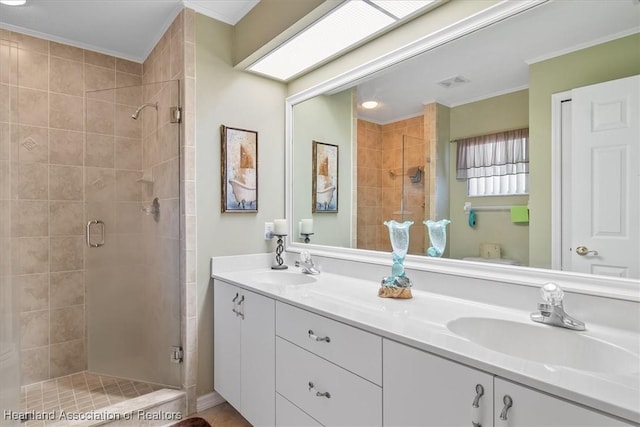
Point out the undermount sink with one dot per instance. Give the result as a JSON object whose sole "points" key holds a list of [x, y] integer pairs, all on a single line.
{"points": [[278, 277], [546, 344]]}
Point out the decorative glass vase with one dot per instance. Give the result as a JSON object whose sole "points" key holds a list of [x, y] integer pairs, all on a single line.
{"points": [[437, 236], [399, 236]]}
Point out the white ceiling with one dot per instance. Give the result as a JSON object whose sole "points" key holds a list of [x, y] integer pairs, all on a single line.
{"points": [[124, 28], [496, 59]]}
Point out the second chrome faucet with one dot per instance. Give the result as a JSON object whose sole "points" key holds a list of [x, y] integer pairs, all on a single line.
{"points": [[306, 263], [551, 312]]}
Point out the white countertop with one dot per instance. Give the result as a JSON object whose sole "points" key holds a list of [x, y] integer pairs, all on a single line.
{"points": [[421, 322]]}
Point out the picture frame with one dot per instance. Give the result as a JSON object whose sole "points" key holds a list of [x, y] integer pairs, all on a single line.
{"points": [[324, 192], [239, 167]]}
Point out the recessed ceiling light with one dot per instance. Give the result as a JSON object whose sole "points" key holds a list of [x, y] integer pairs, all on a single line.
{"points": [[13, 2], [369, 104]]}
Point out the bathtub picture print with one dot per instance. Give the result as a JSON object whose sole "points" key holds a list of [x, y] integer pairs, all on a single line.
{"points": [[325, 177], [239, 170]]}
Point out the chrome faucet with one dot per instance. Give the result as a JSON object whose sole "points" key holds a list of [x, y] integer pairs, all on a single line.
{"points": [[552, 311], [306, 263]]}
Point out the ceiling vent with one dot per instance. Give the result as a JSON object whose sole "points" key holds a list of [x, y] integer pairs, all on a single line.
{"points": [[453, 82]]}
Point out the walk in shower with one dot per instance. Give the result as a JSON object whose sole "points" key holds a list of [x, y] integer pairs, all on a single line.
{"points": [[90, 243], [132, 250]]}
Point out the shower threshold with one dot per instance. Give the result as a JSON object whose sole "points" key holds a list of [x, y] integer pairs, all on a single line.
{"points": [[88, 399]]}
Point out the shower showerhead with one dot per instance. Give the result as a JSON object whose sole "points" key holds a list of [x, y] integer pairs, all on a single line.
{"points": [[134, 116]]}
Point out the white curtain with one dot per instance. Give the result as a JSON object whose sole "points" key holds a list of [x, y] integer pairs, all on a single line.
{"points": [[496, 164]]}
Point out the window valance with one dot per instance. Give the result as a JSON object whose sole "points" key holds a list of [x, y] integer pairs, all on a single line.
{"points": [[504, 153]]}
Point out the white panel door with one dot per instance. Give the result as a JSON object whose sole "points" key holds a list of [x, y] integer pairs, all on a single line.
{"points": [[606, 179]]}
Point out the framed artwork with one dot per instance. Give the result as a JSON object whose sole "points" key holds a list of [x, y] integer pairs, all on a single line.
{"points": [[325, 177], [239, 165]]}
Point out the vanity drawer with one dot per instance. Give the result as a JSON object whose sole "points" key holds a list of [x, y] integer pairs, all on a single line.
{"points": [[351, 400], [353, 349], [289, 415]]}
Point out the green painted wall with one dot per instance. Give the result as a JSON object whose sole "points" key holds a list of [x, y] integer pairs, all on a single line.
{"points": [[500, 113], [325, 118], [608, 61], [237, 99]]}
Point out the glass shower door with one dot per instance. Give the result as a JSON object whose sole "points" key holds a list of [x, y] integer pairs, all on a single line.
{"points": [[9, 302], [132, 214]]}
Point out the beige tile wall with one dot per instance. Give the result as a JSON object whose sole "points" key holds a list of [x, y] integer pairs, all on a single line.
{"points": [[369, 157], [49, 153], [49, 182], [173, 58], [380, 181]]}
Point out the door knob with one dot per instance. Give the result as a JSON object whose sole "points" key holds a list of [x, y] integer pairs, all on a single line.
{"points": [[583, 250]]}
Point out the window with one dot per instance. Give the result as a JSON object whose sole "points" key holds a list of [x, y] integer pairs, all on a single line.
{"points": [[495, 165]]}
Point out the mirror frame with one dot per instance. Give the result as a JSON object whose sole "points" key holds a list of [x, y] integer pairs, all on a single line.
{"points": [[610, 287]]}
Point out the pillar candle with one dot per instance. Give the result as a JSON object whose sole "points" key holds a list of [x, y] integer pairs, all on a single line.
{"points": [[280, 226], [306, 226]]}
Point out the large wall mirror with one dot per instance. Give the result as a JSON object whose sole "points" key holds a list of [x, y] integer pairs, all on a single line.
{"points": [[398, 160]]}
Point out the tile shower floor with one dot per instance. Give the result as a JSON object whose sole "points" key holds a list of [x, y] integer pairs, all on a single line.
{"points": [[79, 392]]}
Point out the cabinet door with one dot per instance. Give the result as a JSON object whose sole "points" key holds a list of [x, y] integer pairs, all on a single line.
{"points": [[421, 389], [533, 408], [226, 341], [257, 359]]}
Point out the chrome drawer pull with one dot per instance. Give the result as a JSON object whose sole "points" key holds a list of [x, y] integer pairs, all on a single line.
{"points": [[241, 313], [317, 338], [237, 312], [318, 394], [508, 403], [475, 406], [234, 304]]}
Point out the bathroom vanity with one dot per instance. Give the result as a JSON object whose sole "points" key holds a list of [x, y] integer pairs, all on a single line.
{"points": [[300, 350]]}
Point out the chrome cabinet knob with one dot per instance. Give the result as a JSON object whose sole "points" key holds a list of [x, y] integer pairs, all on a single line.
{"points": [[583, 250]]}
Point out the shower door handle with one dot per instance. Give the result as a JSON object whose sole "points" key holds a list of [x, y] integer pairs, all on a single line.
{"points": [[101, 242]]}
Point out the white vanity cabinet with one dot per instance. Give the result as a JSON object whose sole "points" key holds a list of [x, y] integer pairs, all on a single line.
{"points": [[244, 352], [532, 408], [421, 389], [287, 361], [330, 371]]}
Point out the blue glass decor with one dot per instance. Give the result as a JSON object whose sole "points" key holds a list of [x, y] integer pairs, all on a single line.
{"points": [[397, 285], [437, 236]]}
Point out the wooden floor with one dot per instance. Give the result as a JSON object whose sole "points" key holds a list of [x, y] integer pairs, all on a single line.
{"points": [[223, 416]]}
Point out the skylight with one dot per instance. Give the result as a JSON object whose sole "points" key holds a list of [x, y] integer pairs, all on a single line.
{"points": [[345, 26], [402, 8]]}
